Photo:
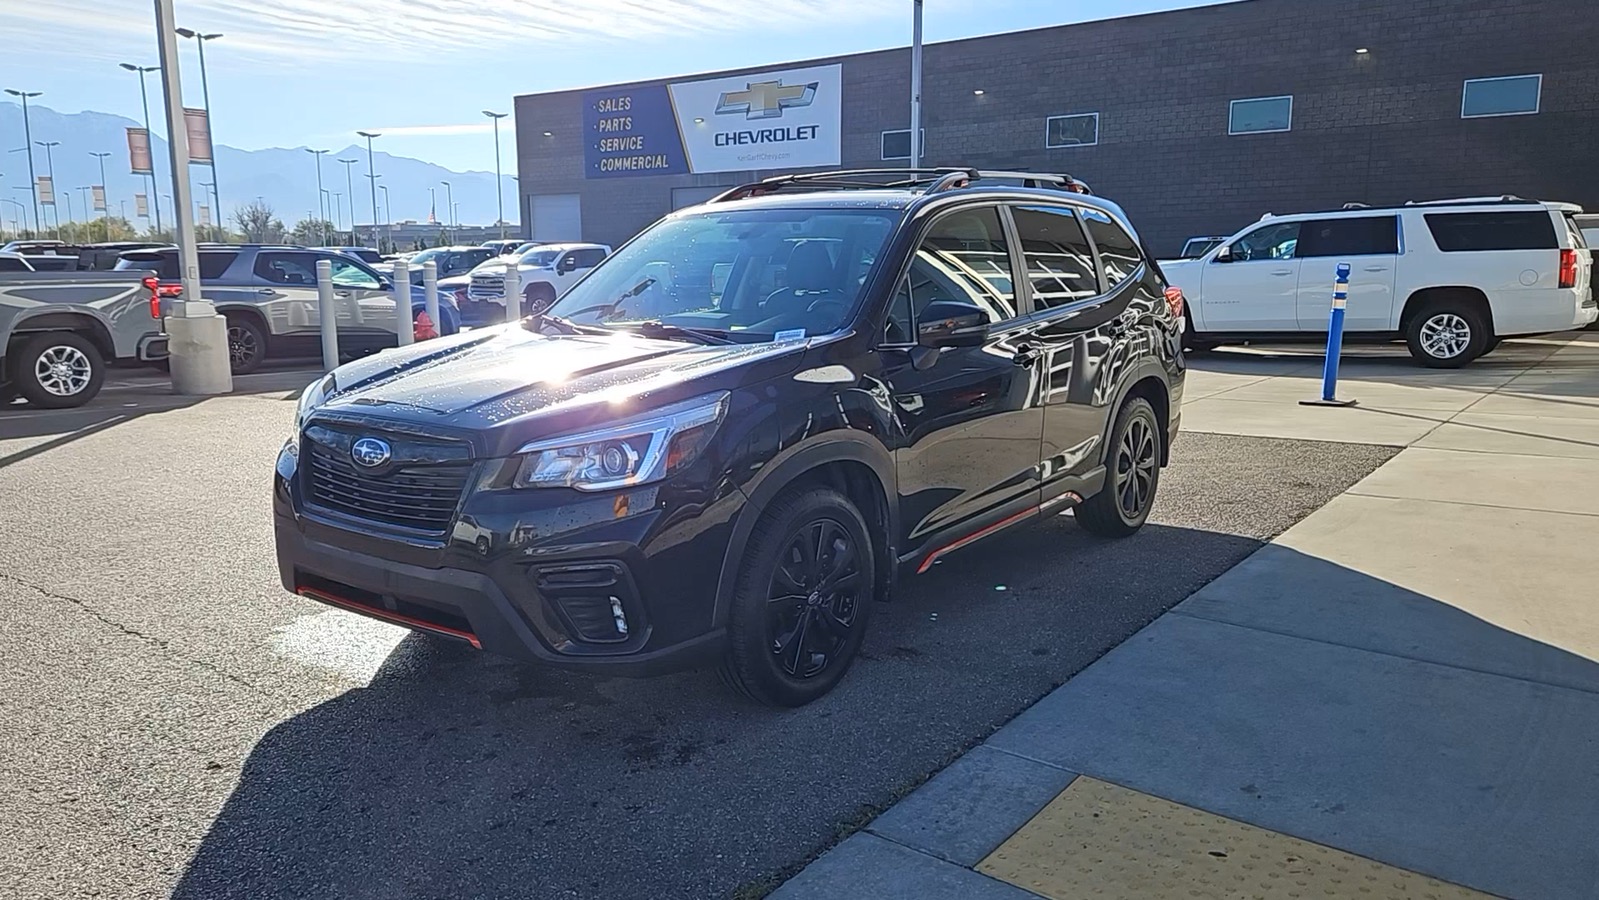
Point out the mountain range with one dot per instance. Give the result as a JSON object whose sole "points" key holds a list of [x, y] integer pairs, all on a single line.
{"points": [[283, 178]]}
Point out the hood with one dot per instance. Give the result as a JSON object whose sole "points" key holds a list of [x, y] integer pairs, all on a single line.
{"points": [[503, 385], [494, 266]]}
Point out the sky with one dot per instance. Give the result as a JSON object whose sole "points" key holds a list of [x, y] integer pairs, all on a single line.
{"points": [[291, 73]]}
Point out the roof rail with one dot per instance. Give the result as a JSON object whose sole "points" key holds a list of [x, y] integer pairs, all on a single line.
{"points": [[930, 180], [1357, 205]]}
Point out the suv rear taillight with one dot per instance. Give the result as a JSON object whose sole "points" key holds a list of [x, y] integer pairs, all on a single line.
{"points": [[1568, 268], [1175, 301], [158, 291]]}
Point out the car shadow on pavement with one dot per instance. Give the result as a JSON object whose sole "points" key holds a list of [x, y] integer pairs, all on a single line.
{"points": [[454, 773]]}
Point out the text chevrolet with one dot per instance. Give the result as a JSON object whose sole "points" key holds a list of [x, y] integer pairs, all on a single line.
{"points": [[733, 434]]}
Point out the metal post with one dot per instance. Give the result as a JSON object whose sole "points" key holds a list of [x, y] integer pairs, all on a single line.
{"points": [[916, 85], [27, 135], [404, 328], [50, 166], [513, 290], [205, 92], [144, 96], [327, 315], [430, 291], [105, 214], [349, 185], [371, 174], [321, 205], [197, 336], [1335, 343], [499, 180]]}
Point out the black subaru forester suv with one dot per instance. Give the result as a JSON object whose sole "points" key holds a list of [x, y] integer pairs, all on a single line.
{"points": [[730, 437]]}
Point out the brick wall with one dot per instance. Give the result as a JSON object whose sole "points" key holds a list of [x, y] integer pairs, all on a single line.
{"points": [[1382, 127]]}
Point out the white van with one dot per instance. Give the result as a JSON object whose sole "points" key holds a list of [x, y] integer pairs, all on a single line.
{"points": [[1450, 277]]}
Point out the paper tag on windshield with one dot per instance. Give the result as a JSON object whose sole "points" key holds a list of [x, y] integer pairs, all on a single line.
{"points": [[792, 334]]}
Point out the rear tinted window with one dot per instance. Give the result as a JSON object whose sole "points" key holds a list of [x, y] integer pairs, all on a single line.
{"points": [[214, 264], [1457, 232], [1358, 236], [1060, 265], [13, 264], [1118, 252], [164, 265]]}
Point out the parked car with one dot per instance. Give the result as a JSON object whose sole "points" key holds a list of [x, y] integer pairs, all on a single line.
{"points": [[60, 331], [1450, 278], [364, 254], [449, 261], [269, 295], [545, 271], [502, 247], [14, 262], [1195, 247], [690, 456]]}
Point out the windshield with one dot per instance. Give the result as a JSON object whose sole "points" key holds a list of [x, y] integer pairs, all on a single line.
{"points": [[539, 257], [753, 275], [426, 255]]}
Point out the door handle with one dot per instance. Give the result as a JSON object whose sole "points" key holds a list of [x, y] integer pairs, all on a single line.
{"points": [[344, 294], [1375, 269], [266, 292], [1025, 355], [1282, 272]]}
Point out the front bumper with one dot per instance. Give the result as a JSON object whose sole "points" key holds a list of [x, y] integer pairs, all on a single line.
{"points": [[624, 582], [465, 605]]}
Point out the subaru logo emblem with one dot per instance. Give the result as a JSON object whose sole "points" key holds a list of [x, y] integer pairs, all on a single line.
{"points": [[370, 452]]}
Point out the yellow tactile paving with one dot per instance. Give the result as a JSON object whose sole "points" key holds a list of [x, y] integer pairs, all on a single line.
{"points": [[1103, 841]]}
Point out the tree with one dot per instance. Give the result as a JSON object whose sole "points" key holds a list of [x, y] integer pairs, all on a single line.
{"points": [[311, 232], [258, 223]]}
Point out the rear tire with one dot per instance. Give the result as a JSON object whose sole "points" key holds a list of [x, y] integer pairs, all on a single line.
{"points": [[1446, 334], [802, 599], [59, 370], [1132, 474], [247, 344]]}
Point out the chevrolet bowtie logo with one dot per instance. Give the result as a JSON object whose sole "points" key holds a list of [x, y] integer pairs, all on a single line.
{"points": [[766, 99]]}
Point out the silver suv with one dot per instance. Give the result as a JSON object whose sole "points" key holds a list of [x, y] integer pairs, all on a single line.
{"points": [[269, 295]]}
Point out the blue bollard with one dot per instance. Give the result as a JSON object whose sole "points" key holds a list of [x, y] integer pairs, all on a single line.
{"points": [[1335, 344]]}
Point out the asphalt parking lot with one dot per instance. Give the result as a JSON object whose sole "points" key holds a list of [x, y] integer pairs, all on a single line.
{"points": [[178, 725]]}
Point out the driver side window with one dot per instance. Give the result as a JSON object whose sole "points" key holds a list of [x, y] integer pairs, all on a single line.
{"points": [[1275, 241], [349, 275], [965, 257]]}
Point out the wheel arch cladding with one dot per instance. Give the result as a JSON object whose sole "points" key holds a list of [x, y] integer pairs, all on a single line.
{"points": [[91, 328], [849, 467], [1470, 296]]}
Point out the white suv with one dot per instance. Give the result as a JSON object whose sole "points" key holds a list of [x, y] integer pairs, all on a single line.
{"points": [[1449, 277], [545, 272]]}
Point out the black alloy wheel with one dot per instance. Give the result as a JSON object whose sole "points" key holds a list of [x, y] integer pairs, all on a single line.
{"points": [[813, 597], [1132, 474], [803, 596], [246, 345]]}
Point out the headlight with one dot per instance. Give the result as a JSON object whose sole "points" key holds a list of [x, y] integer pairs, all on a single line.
{"points": [[638, 451]]}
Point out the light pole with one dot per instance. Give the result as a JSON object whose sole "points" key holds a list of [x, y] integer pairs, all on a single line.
{"points": [[388, 215], [83, 195], [371, 175], [338, 212], [199, 339], [449, 204], [27, 134], [349, 184], [499, 181], [105, 214], [145, 96], [916, 85], [38, 229], [212, 184], [205, 93], [322, 209], [14, 218], [50, 166]]}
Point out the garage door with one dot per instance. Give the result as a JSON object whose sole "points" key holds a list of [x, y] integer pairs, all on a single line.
{"points": [[556, 217]]}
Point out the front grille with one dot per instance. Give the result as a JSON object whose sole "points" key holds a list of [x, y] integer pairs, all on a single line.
{"points": [[486, 286], [415, 497]]}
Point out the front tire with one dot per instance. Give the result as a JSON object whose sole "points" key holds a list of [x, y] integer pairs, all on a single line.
{"points": [[247, 344], [59, 370], [1446, 335], [802, 598], [1132, 474], [537, 298]]}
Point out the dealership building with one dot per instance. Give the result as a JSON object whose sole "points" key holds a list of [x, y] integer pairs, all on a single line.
{"points": [[1197, 121]]}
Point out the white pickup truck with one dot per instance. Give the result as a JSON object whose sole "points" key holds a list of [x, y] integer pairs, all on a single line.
{"points": [[1450, 278]]}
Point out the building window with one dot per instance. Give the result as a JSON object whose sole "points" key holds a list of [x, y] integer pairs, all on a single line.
{"points": [[1259, 115], [1080, 130], [897, 144], [1515, 95]]}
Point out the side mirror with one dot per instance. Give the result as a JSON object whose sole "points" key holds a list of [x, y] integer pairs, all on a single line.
{"points": [[1225, 254], [952, 323], [568, 264]]}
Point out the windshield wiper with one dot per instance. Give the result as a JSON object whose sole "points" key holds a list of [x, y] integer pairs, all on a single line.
{"points": [[652, 328], [532, 323], [607, 310]]}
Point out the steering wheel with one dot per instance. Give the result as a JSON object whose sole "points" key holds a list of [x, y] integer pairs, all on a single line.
{"points": [[823, 303]]}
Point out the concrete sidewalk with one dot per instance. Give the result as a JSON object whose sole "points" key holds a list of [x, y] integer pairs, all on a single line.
{"points": [[1398, 697]]}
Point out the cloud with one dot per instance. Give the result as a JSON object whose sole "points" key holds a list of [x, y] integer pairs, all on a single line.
{"points": [[310, 31]]}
